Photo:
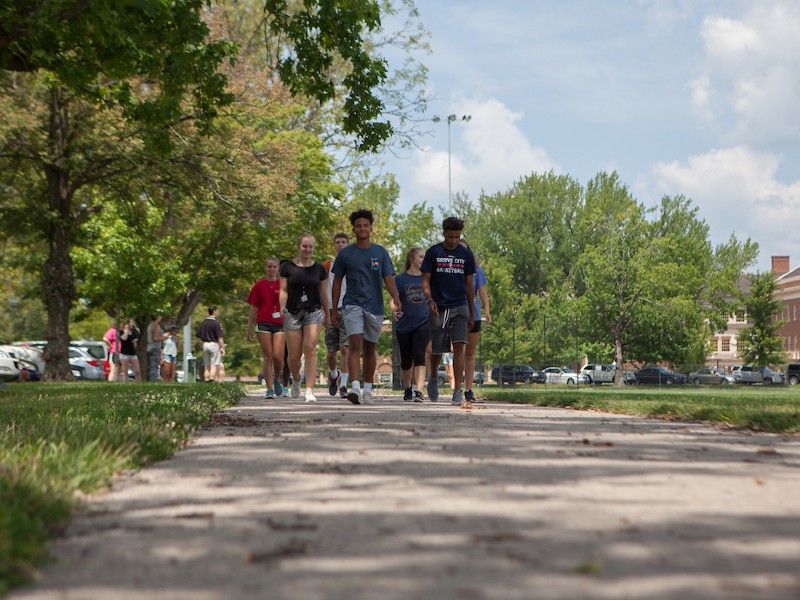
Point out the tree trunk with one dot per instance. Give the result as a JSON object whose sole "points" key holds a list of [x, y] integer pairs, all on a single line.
{"points": [[58, 280]]}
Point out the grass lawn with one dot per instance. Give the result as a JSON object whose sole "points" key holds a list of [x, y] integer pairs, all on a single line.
{"points": [[60, 439], [771, 409]]}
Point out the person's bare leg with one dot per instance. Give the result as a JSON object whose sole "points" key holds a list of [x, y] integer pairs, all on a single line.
{"points": [[469, 359], [458, 365], [265, 342]]}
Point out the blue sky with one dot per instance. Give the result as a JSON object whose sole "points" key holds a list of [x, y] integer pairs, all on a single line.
{"points": [[695, 97]]}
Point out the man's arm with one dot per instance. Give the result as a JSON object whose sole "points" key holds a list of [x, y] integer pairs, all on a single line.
{"points": [[426, 291]]}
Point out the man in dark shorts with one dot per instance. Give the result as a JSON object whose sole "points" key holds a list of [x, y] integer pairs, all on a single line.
{"points": [[447, 283], [336, 341]]}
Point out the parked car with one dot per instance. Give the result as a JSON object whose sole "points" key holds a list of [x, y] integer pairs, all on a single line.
{"points": [[659, 376], [27, 361], [84, 365], [564, 375], [98, 350], [9, 368], [793, 373], [517, 374], [597, 373], [711, 375], [755, 375], [444, 379]]}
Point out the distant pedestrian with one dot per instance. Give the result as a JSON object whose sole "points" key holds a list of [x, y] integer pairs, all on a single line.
{"points": [[128, 359], [155, 342], [111, 341], [368, 268], [336, 340], [474, 334], [304, 307], [211, 334], [169, 354], [447, 283], [412, 330], [265, 315]]}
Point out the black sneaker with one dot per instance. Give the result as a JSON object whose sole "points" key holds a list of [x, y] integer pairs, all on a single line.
{"points": [[469, 396], [332, 387], [343, 392], [407, 395], [418, 396]]}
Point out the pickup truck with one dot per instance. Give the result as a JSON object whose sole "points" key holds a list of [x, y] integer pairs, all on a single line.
{"points": [[749, 374]]}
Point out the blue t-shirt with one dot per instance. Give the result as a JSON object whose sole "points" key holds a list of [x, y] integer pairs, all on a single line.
{"points": [[449, 270], [415, 309], [365, 269], [479, 282]]}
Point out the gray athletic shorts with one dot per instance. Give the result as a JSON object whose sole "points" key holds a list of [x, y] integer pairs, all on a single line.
{"points": [[295, 322], [357, 321], [336, 337], [450, 327]]}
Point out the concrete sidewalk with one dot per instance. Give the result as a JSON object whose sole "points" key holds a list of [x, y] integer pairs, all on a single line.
{"points": [[282, 499]]}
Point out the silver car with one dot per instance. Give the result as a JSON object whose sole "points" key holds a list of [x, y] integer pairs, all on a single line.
{"points": [[85, 366], [711, 375]]}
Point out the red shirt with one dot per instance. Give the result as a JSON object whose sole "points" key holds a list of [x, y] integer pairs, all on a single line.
{"points": [[264, 296]]}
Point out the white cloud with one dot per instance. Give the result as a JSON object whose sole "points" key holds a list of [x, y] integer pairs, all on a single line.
{"points": [[738, 190], [749, 83], [488, 152]]}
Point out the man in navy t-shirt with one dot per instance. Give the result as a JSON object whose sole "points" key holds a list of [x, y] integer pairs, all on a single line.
{"points": [[368, 269], [447, 283]]}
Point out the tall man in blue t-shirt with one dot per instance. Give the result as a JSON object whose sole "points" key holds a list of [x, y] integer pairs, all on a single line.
{"points": [[368, 267], [447, 283]]}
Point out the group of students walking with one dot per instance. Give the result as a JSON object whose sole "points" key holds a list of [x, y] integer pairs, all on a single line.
{"points": [[433, 302]]}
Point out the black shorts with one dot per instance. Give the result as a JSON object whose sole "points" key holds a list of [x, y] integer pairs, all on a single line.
{"points": [[476, 327], [264, 327], [412, 346]]}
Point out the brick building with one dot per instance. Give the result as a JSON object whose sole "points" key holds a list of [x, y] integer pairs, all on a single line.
{"points": [[789, 292]]}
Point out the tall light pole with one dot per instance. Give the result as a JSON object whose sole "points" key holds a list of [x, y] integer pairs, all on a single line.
{"points": [[450, 119]]}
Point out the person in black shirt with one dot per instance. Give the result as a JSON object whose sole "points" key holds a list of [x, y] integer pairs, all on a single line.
{"points": [[304, 306], [210, 332], [128, 338]]}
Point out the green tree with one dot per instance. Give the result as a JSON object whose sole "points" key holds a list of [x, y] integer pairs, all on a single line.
{"points": [[758, 343], [148, 63]]}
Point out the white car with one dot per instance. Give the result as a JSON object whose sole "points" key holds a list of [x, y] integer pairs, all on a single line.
{"points": [[564, 375], [598, 373], [9, 371]]}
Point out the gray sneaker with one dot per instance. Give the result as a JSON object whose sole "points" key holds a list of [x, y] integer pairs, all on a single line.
{"points": [[295, 389], [366, 397], [433, 389], [457, 397]]}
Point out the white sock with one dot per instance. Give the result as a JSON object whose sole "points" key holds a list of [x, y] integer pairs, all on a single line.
{"points": [[335, 374], [343, 382], [355, 385], [367, 387]]}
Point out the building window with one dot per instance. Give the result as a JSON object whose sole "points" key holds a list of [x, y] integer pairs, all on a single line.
{"points": [[725, 344]]}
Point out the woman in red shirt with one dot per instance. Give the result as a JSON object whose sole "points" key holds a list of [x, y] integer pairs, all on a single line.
{"points": [[265, 313]]}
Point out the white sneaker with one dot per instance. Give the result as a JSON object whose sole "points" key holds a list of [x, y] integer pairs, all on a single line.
{"points": [[295, 389], [310, 397], [366, 397], [354, 395], [285, 392]]}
